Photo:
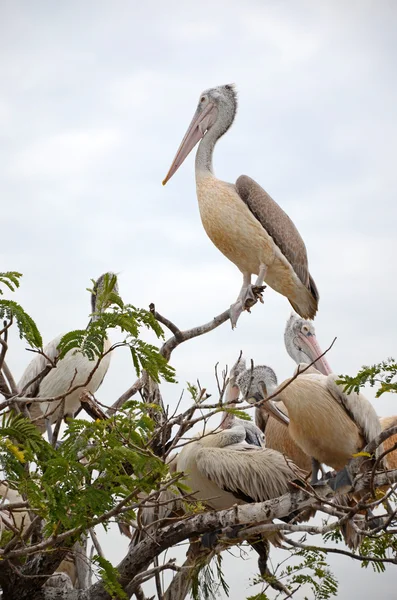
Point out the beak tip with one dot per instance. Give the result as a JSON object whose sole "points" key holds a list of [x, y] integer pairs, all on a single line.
{"points": [[164, 182]]}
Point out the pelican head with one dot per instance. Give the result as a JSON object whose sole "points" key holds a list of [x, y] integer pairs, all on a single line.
{"points": [[215, 111], [105, 283], [301, 343], [257, 383]]}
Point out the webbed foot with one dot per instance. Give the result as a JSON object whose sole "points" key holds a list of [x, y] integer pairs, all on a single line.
{"points": [[246, 300], [341, 480]]}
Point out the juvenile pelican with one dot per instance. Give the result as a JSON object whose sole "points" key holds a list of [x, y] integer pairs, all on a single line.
{"points": [[253, 433], [326, 423], [302, 346], [242, 220], [74, 369], [222, 469]]}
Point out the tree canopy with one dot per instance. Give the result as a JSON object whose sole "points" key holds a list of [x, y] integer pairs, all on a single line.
{"points": [[116, 466]]}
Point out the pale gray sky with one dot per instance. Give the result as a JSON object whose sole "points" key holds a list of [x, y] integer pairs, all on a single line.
{"points": [[94, 100]]}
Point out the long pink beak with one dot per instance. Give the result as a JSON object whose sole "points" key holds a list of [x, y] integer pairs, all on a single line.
{"points": [[196, 130], [313, 346]]}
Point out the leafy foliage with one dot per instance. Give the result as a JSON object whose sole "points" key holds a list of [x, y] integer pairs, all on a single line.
{"points": [[26, 326], [88, 474], [384, 546], [11, 310], [109, 575], [10, 279], [383, 374], [129, 320], [209, 580], [312, 570]]}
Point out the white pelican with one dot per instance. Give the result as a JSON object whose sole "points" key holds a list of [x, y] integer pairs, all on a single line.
{"points": [[241, 219], [327, 424], [74, 369]]}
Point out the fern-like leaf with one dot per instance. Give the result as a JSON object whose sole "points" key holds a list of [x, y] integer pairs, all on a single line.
{"points": [[10, 279], [27, 327]]}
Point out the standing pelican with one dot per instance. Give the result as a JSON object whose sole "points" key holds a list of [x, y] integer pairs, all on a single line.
{"points": [[242, 220], [73, 370], [327, 424]]}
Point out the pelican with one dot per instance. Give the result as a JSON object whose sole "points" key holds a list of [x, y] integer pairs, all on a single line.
{"points": [[302, 346], [327, 424], [222, 470], [253, 434], [391, 458], [241, 219], [74, 369]]}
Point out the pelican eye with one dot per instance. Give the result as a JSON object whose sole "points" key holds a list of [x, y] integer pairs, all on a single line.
{"points": [[202, 99]]}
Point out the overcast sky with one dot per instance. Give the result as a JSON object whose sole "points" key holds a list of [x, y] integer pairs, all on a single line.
{"points": [[94, 100]]}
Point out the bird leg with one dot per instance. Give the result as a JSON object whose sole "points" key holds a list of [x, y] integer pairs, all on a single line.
{"points": [[248, 296], [315, 468]]}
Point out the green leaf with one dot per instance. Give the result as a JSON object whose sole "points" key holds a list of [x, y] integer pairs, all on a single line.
{"points": [[27, 327], [110, 577], [10, 279]]}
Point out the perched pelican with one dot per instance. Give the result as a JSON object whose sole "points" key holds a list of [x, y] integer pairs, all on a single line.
{"points": [[327, 424], [302, 346], [222, 470], [242, 220], [74, 369]]}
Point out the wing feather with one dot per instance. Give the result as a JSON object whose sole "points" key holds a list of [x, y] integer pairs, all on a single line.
{"points": [[279, 226], [253, 475]]}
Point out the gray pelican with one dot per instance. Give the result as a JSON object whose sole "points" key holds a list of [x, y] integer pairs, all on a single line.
{"points": [[327, 424], [222, 470], [253, 434], [302, 346], [242, 220], [74, 369]]}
